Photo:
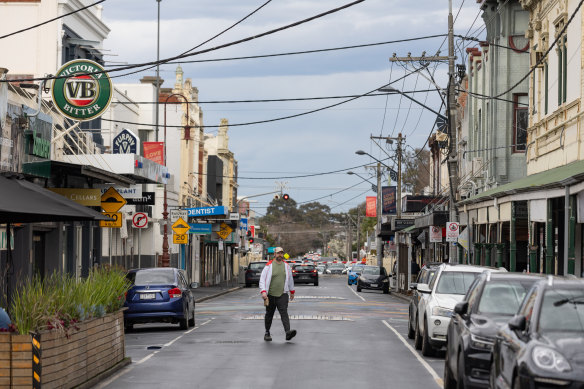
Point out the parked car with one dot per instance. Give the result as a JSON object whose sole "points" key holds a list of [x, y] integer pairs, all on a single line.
{"points": [[305, 274], [373, 277], [253, 272], [490, 302], [354, 274], [542, 346], [159, 295], [448, 287], [320, 269], [335, 268], [424, 277]]}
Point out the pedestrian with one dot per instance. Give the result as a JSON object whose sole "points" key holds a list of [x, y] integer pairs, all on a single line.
{"points": [[4, 319], [415, 268], [276, 282]]}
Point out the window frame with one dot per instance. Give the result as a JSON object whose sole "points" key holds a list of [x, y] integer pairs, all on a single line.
{"points": [[516, 110]]}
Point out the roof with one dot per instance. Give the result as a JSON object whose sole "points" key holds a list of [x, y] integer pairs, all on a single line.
{"points": [[554, 178]]}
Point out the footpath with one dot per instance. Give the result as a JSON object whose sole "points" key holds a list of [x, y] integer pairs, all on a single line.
{"points": [[203, 293]]}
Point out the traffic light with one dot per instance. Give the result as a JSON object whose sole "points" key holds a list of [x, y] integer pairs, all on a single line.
{"points": [[250, 240], [285, 196]]}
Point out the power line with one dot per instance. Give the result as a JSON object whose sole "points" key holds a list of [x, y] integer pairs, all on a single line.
{"points": [[51, 20], [229, 44]]}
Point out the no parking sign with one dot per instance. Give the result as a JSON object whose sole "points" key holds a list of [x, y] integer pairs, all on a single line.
{"points": [[452, 231]]}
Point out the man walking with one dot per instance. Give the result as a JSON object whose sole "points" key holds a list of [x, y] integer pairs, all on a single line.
{"points": [[276, 282]]}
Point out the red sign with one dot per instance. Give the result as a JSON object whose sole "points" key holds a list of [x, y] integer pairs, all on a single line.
{"points": [[252, 231], [371, 206], [154, 151]]}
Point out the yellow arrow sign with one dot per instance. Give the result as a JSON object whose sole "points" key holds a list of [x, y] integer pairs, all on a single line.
{"points": [[112, 201], [180, 227], [224, 231]]}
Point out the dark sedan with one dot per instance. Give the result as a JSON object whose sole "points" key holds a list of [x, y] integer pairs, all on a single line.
{"points": [[305, 274], [253, 273], [159, 295], [492, 299], [543, 345], [373, 277]]}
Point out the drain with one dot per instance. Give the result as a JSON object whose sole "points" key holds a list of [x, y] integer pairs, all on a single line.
{"points": [[153, 347]]}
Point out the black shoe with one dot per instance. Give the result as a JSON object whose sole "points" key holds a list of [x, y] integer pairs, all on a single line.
{"points": [[290, 334], [267, 337]]}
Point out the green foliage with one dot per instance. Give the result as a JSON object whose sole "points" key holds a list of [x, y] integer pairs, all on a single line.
{"points": [[60, 301]]}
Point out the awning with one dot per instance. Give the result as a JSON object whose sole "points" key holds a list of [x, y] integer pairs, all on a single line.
{"points": [[22, 201], [554, 178]]}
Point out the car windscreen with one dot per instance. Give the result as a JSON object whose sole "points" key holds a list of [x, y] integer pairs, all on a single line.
{"points": [[503, 297], [304, 268], [562, 310], [154, 277], [257, 266], [373, 270], [336, 266], [455, 282], [357, 269]]}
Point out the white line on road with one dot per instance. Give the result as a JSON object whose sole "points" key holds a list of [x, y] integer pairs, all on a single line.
{"points": [[126, 370], [417, 355], [351, 289]]}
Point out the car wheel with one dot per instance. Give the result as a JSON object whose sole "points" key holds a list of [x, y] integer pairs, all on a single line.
{"points": [[516, 382], [316, 283], [411, 331], [184, 322], [460, 384], [449, 381], [192, 319], [417, 337], [358, 288], [427, 350]]}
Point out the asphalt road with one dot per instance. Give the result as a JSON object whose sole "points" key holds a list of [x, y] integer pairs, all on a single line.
{"points": [[345, 340]]}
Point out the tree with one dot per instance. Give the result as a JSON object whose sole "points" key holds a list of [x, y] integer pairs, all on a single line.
{"points": [[415, 172]]}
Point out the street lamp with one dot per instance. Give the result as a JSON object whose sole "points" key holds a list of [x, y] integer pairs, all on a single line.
{"points": [[165, 260], [373, 186]]}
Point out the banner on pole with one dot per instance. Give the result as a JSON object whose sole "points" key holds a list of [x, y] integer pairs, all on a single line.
{"points": [[371, 206]]}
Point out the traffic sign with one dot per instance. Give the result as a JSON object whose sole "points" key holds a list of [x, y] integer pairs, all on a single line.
{"points": [[224, 231], [176, 213], [140, 220], [180, 238], [111, 201], [115, 223], [180, 226], [452, 231]]}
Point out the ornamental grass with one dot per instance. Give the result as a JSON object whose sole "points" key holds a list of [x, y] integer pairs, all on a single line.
{"points": [[60, 302]]}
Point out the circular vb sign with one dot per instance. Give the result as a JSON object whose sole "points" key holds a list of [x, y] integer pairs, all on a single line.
{"points": [[82, 90]]}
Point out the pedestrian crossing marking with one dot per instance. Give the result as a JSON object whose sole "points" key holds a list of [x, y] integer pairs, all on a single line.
{"points": [[302, 317]]}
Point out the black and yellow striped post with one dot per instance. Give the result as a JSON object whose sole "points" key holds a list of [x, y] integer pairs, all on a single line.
{"points": [[36, 361]]}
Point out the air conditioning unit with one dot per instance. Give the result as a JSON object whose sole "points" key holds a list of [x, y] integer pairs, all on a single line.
{"points": [[477, 167], [536, 58]]}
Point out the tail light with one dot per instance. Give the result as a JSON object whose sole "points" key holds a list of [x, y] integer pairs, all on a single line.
{"points": [[248, 271], [174, 293], [294, 272], [314, 271]]}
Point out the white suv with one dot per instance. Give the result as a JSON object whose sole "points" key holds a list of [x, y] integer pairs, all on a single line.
{"points": [[447, 288]]}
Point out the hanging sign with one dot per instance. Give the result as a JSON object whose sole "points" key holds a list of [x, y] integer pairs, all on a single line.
{"points": [[82, 90], [126, 142]]}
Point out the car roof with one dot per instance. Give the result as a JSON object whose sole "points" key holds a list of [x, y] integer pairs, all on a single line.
{"points": [[448, 267], [153, 269], [562, 282], [513, 275]]}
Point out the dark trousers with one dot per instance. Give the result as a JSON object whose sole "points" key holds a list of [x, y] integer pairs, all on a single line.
{"points": [[282, 304]]}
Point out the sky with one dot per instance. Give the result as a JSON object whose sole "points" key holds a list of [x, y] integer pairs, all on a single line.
{"points": [[314, 144]]}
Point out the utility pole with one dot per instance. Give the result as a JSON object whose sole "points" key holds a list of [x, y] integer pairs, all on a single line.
{"points": [[452, 157], [378, 238]]}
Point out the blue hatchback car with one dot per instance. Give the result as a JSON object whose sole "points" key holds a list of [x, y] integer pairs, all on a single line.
{"points": [[354, 274], [159, 295]]}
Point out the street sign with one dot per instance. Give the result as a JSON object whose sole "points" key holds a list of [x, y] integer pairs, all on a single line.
{"points": [[234, 216], [180, 227], [180, 238], [111, 201], [224, 231], [140, 220], [115, 223], [435, 234], [452, 232], [176, 213]]}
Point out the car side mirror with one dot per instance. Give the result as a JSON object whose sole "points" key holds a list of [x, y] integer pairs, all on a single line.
{"points": [[518, 323], [461, 308], [244, 268], [413, 286], [423, 288], [194, 285]]}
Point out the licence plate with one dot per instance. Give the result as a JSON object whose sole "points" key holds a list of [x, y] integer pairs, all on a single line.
{"points": [[374, 285], [304, 277], [147, 296]]}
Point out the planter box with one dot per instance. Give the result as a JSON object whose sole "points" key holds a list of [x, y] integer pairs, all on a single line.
{"points": [[65, 361]]}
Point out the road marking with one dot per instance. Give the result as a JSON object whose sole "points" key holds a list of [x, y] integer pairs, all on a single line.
{"points": [[361, 297], [128, 369], [302, 317], [432, 372]]}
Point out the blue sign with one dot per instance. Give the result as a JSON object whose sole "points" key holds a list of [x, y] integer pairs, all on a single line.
{"points": [[243, 224], [271, 250], [207, 211], [200, 229], [125, 143]]}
